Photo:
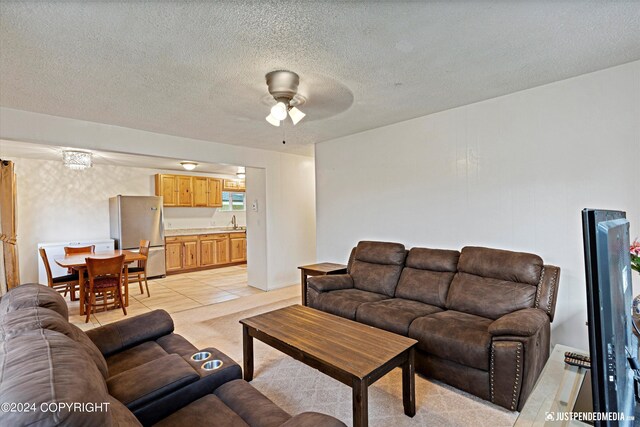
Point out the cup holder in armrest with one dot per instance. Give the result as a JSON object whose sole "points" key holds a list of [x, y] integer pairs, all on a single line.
{"points": [[201, 355], [212, 365]]}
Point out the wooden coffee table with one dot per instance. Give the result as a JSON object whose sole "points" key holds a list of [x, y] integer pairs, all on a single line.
{"points": [[354, 354]]}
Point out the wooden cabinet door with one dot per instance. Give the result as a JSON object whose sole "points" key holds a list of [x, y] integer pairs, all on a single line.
{"points": [[244, 249], [200, 191], [215, 192], [185, 191], [237, 251], [222, 250], [174, 256], [207, 252], [167, 187], [190, 254]]}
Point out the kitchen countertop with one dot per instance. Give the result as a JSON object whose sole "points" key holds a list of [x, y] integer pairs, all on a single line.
{"points": [[170, 232]]}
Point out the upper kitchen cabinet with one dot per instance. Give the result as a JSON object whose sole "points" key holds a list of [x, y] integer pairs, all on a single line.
{"points": [[234, 185], [200, 191], [189, 191], [185, 191], [167, 187], [214, 186]]}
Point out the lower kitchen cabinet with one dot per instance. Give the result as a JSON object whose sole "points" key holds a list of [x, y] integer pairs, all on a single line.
{"points": [[203, 251], [181, 253], [238, 243], [214, 249]]}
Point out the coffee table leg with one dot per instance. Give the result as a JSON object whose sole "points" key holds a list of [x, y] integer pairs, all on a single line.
{"points": [[409, 385], [360, 403], [247, 347], [303, 282]]}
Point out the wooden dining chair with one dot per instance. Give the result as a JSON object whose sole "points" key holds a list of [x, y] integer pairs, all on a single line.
{"points": [[66, 283], [139, 273], [105, 277], [73, 250]]}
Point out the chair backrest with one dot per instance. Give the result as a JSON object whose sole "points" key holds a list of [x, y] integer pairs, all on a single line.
{"points": [[70, 250], [144, 250], [47, 267], [377, 266], [105, 267]]}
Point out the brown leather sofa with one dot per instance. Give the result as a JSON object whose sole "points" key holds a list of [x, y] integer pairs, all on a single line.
{"points": [[481, 316], [129, 373]]}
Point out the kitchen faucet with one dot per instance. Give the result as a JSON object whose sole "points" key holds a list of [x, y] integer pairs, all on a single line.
{"points": [[234, 222]]}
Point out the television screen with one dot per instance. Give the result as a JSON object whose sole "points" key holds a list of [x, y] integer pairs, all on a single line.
{"points": [[612, 344]]}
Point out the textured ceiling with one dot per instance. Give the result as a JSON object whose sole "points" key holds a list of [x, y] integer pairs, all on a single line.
{"points": [[196, 69], [11, 149]]}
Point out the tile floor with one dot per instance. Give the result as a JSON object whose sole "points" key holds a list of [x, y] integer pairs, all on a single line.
{"points": [[175, 293]]}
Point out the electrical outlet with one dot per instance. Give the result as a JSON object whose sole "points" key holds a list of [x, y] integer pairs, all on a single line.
{"points": [[254, 205], [168, 225]]}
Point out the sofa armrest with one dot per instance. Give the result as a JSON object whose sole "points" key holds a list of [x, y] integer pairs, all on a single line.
{"points": [[148, 382], [127, 333], [313, 419], [521, 323], [330, 282]]}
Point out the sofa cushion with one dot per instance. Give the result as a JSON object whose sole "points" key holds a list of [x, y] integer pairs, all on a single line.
{"points": [[344, 302], [377, 266], [133, 357], [251, 405], [26, 319], [492, 282], [394, 315], [33, 295], [206, 411], [455, 336], [427, 275], [43, 366], [121, 416], [146, 383]]}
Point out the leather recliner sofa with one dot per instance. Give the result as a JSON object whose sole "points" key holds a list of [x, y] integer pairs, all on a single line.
{"points": [[481, 316], [129, 373]]}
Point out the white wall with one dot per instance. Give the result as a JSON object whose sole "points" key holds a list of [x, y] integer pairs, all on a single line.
{"points": [[289, 179], [512, 172], [58, 204]]}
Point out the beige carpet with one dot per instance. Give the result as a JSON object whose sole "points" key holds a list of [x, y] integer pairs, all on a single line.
{"points": [[299, 388]]}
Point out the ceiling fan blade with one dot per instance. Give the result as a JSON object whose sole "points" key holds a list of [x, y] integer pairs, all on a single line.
{"points": [[296, 115], [272, 120]]}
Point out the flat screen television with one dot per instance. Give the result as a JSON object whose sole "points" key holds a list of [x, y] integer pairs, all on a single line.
{"points": [[612, 343]]}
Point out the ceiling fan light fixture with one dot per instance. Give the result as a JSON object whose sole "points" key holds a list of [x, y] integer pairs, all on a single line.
{"points": [[279, 111], [296, 115], [188, 165], [272, 120]]}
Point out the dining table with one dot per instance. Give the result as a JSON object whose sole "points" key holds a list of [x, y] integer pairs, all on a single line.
{"points": [[78, 263]]}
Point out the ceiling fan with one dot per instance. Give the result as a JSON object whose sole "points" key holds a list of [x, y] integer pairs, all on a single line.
{"points": [[283, 86]]}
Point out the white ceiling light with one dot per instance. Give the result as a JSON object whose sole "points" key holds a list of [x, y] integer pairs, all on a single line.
{"points": [[241, 172], [77, 160], [283, 86], [189, 165]]}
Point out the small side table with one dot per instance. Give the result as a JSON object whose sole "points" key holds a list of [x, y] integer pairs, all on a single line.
{"points": [[321, 269]]}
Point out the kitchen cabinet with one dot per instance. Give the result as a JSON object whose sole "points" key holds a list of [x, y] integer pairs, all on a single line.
{"points": [[200, 191], [181, 253], [204, 251], [167, 187], [238, 245], [185, 191], [214, 249], [189, 191], [234, 185], [214, 189]]}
